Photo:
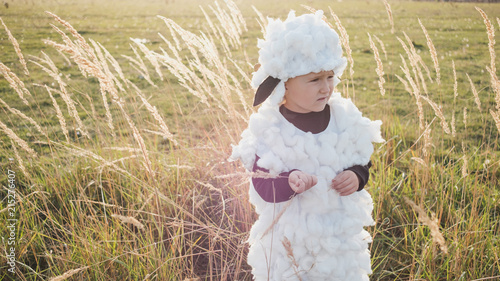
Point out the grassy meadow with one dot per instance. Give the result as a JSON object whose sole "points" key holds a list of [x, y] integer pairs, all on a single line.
{"points": [[117, 119]]}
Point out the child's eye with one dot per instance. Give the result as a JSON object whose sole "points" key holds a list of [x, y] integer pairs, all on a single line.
{"points": [[330, 77], [315, 80]]}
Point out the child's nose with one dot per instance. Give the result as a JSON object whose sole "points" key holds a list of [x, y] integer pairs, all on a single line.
{"points": [[325, 86]]}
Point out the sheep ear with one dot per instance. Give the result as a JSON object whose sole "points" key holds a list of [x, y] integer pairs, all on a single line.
{"points": [[265, 90]]}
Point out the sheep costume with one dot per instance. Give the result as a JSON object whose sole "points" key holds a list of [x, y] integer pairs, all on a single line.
{"points": [[318, 234]]}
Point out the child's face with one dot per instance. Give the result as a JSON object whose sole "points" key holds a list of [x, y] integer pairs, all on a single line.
{"points": [[310, 92]]}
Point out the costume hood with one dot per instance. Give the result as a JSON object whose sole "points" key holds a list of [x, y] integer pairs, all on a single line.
{"points": [[295, 47]]}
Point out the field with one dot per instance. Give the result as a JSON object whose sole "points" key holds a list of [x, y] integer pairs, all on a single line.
{"points": [[117, 119]]}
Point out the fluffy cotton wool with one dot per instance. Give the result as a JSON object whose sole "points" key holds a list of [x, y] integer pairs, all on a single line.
{"points": [[325, 229]]}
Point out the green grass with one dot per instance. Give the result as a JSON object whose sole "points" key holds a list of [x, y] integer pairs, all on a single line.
{"points": [[192, 219]]}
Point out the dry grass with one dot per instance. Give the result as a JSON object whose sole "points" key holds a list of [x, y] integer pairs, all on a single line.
{"points": [[433, 52], [15, 83], [389, 14], [59, 114], [17, 140], [431, 223], [475, 93], [16, 48], [380, 67], [68, 274], [289, 253], [344, 38]]}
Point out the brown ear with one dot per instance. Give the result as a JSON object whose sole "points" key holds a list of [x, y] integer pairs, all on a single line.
{"points": [[265, 89]]}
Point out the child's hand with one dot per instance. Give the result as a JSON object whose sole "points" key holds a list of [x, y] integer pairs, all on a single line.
{"points": [[346, 183], [300, 181]]}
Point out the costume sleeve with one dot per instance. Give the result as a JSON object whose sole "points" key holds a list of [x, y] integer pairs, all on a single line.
{"points": [[272, 190], [363, 173]]}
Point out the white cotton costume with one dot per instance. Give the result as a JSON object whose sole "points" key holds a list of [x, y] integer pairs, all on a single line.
{"points": [[325, 230]]}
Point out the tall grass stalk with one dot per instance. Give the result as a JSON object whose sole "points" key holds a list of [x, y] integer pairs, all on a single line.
{"points": [[380, 67], [389, 14], [433, 52], [16, 48]]}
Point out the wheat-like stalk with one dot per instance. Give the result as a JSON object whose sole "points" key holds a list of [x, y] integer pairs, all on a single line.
{"points": [[130, 220], [261, 20], [193, 42], [289, 253], [128, 149], [496, 118], [427, 141], [465, 170], [170, 47], [15, 83], [455, 95], [237, 16], [455, 81], [389, 14], [65, 57], [230, 23], [68, 274], [414, 61], [139, 66], [151, 58], [140, 140], [490, 30], [382, 45], [432, 224], [59, 114], [419, 161], [407, 88], [154, 112], [217, 32], [16, 48], [474, 92], [115, 64], [23, 144], [344, 38], [25, 117], [380, 67], [91, 65], [223, 86], [465, 117], [69, 47], [277, 217], [433, 52], [80, 152], [228, 27], [415, 92], [439, 113], [491, 38], [81, 41], [19, 160], [109, 117], [184, 76], [104, 64], [495, 84], [215, 76], [53, 72], [453, 128]]}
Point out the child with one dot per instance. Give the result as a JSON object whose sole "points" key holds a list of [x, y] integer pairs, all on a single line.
{"points": [[316, 147]]}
